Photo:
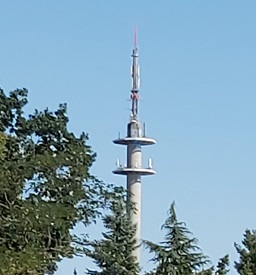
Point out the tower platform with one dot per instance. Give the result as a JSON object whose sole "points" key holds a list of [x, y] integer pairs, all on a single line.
{"points": [[135, 140], [140, 171]]}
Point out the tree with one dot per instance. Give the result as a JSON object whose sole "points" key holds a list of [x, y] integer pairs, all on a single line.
{"points": [[247, 254], [113, 253], [45, 187], [208, 271], [178, 254], [222, 268]]}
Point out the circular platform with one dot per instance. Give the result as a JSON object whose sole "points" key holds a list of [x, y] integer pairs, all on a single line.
{"points": [[138, 140], [141, 171]]}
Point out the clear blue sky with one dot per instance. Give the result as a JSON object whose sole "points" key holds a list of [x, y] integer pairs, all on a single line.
{"points": [[198, 99]]}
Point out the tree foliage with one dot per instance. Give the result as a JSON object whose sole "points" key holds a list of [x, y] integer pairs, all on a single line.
{"points": [[178, 254], [113, 254], [222, 268], [247, 254], [45, 186], [208, 271]]}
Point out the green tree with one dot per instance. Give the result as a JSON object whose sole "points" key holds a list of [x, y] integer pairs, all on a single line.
{"points": [[222, 267], [178, 254], [2, 145], [45, 187], [247, 254], [208, 271], [113, 253]]}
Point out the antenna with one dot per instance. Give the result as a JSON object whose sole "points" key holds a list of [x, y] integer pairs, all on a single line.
{"points": [[135, 76], [118, 163], [135, 37], [150, 163]]}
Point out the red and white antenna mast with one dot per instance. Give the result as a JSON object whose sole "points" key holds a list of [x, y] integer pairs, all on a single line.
{"points": [[135, 72]]}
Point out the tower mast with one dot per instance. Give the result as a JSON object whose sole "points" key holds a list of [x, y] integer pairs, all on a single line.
{"points": [[135, 77], [134, 141]]}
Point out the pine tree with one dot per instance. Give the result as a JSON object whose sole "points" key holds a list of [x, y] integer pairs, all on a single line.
{"points": [[222, 266], [208, 271], [178, 254], [113, 253], [247, 254]]}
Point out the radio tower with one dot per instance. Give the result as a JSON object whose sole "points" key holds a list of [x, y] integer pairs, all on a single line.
{"points": [[134, 141]]}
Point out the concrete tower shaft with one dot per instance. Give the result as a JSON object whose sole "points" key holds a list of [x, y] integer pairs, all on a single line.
{"points": [[134, 141]]}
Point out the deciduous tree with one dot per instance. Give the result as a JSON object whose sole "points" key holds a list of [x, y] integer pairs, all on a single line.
{"points": [[45, 186]]}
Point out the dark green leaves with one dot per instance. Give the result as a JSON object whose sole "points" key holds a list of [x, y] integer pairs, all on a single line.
{"points": [[45, 186]]}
